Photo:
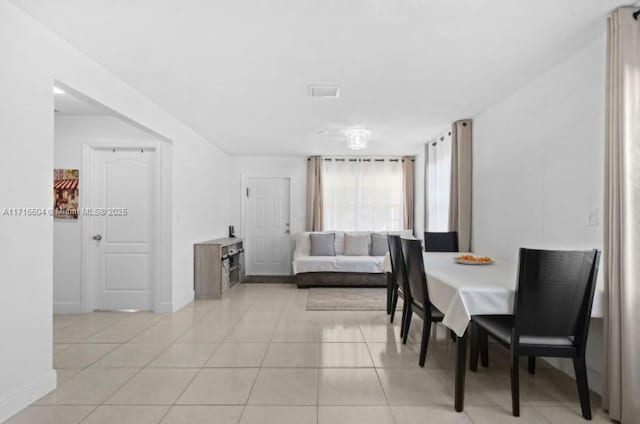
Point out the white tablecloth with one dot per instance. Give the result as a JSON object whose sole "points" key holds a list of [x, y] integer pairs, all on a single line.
{"points": [[461, 291]]}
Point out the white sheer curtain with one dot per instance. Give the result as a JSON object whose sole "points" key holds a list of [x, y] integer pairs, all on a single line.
{"points": [[438, 185], [621, 386], [363, 194]]}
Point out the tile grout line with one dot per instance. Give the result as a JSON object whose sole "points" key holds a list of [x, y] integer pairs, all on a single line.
{"points": [[318, 347], [89, 367], [103, 403], [180, 395], [375, 370], [246, 402], [205, 362], [185, 387], [289, 305]]}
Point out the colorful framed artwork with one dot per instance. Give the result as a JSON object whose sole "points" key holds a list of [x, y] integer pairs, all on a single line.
{"points": [[65, 193]]}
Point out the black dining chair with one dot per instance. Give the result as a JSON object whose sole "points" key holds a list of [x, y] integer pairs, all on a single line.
{"points": [[441, 242], [551, 315], [417, 298], [398, 278]]}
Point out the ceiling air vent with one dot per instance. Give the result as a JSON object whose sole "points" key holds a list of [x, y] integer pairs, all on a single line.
{"points": [[324, 91]]}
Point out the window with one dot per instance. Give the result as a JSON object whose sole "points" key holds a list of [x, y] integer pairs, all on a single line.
{"points": [[438, 185], [363, 194]]}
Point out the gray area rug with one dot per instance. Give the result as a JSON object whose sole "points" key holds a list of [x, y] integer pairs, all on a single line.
{"points": [[347, 299]]}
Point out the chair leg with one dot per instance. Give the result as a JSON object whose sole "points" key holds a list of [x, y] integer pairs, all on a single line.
{"points": [[404, 319], [484, 348], [424, 343], [461, 358], [475, 341], [531, 366], [390, 291], [394, 304], [580, 368], [515, 384], [407, 324]]}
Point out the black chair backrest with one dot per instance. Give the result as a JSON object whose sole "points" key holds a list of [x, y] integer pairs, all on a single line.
{"points": [[555, 293], [397, 262], [413, 261], [441, 242]]}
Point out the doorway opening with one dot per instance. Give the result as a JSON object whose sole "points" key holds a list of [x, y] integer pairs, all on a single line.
{"points": [[112, 224]]}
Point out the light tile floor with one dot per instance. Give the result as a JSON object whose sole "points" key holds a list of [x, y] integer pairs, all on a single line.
{"points": [[257, 356]]}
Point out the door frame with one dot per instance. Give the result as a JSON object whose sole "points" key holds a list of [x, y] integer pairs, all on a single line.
{"points": [[160, 240], [243, 196]]}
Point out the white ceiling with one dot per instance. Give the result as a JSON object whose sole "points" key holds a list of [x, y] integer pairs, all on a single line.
{"points": [[238, 71]]}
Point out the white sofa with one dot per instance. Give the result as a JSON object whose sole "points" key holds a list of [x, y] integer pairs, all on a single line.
{"points": [[339, 270]]}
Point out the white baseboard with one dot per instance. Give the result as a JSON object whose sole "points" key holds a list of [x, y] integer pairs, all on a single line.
{"points": [[181, 303], [24, 396], [176, 305], [164, 308], [566, 366], [67, 308], [596, 380]]}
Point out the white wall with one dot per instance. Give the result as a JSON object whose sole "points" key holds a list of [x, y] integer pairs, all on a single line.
{"points": [[33, 57], [70, 133], [538, 161], [201, 207]]}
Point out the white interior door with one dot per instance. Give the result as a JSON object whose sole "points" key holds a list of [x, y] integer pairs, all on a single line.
{"points": [[122, 225], [267, 231]]}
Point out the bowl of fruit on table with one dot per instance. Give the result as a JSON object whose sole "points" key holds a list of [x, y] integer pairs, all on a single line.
{"points": [[473, 260]]}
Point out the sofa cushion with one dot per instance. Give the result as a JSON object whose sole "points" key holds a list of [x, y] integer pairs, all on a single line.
{"points": [[359, 263], [379, 244], [356, 244], [303, 241], [323, 244], [315, 264], [338, 263]]}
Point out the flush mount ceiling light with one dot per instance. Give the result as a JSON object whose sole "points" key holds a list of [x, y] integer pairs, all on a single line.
{"points": [[57, 90], [357, 138]]}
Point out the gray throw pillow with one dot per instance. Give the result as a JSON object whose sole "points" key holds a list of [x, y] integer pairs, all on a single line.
{"points": [[356, 244], [323, 244], [379, 244]]}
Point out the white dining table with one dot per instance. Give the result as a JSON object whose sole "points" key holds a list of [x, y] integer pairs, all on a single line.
{"points": [[462, 291]]}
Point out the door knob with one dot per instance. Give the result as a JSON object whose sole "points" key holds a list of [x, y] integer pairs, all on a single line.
{"points": [[97, 237]]}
